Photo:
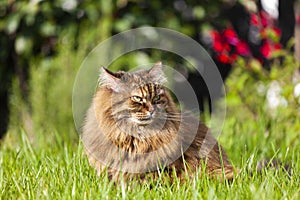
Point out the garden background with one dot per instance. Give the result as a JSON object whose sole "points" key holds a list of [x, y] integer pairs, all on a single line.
{"points": [[42, 45]]}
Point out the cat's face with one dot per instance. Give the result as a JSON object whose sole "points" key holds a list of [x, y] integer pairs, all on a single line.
{"points": [[147, 103], [138, 97]]}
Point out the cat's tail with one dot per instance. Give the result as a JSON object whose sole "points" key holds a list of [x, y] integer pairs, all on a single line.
{"points": [[273, 163], [229, 172]]}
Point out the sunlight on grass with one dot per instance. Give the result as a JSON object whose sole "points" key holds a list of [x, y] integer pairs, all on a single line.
{"points": [[58, 170]]}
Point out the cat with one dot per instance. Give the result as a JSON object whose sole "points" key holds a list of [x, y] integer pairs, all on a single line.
{"points": [[134, 129]]}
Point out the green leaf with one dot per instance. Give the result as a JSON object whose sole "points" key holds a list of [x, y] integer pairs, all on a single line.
{"points": [[124, 24], [48, 29], [106, 6], [13, 23], [23, 45], [274, 74], [199, 12]]}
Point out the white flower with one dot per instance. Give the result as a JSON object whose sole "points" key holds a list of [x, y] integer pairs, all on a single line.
{"points": [[274, 98], [261, 89], [297, 90], [271, 7], [69, 5]]}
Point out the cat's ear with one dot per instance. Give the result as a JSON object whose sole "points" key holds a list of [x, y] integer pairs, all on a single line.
{"points": [[110, 79], [157, 74]]}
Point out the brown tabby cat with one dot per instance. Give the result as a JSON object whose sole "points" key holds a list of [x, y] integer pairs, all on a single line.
{"points": [[133, 127]]}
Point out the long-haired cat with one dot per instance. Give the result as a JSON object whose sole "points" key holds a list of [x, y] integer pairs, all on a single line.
{"points": [[134, 128]]}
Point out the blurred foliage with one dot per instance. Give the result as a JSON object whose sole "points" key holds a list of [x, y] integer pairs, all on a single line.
{"points": [[269, 101], [50, 39], [40, 42], [253, 91], [49, 108], [33, 26]]}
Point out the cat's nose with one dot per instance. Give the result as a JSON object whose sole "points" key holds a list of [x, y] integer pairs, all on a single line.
{"points": [[150, 108]]}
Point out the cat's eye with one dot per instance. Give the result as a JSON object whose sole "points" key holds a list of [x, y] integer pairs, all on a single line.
{"points": [[156, 98], [137, 98]]}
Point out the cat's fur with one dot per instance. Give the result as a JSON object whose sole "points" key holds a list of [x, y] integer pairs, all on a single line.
{"points": [[134, 126]]}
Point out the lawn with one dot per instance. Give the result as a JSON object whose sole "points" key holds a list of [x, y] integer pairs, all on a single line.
{"points": [[52, 167]]}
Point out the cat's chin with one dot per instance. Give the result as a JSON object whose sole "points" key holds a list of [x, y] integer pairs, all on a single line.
{"points": [[144, 122]]}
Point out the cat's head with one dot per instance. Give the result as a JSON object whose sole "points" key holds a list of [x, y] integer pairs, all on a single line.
{"points": [[138, 97]]}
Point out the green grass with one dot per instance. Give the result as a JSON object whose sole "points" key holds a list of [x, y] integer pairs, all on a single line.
{"points": [[41, 168]]}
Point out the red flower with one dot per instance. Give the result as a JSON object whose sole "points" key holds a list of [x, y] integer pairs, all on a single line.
{"points": [[234, 56], [254, 19], [263, 18], [217, 41], [243, 49], [277, 46], [265, 49], [216, 36], [223, 58], [231, 36], [277, 31], [218, 46], [226, 47]]}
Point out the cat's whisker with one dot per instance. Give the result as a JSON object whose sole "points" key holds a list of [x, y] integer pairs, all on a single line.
{"points": [[186, 112], [170, 118], [180, 113], [173, 118], [175, 114]]}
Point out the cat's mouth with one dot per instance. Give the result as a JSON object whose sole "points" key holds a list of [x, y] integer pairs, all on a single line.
{"points": [[145, 120]]}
